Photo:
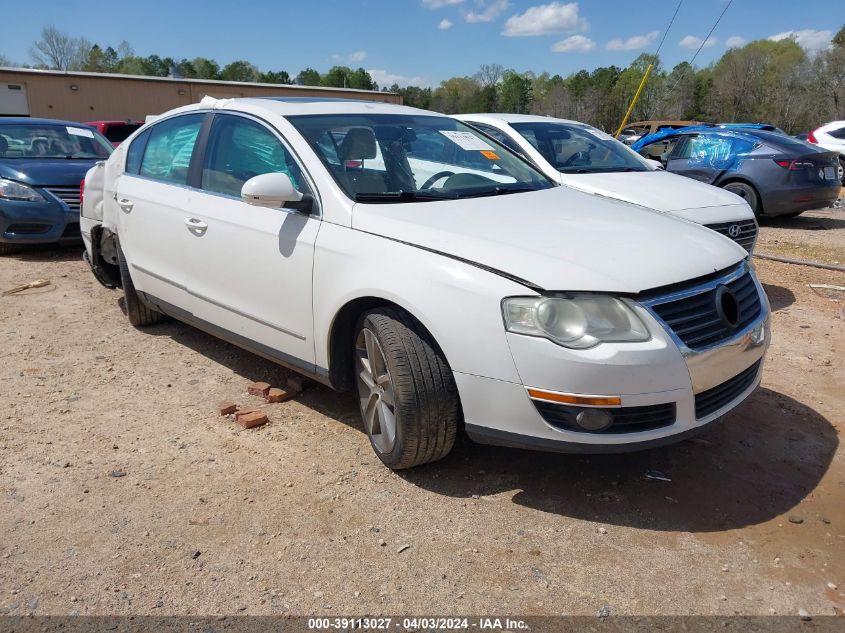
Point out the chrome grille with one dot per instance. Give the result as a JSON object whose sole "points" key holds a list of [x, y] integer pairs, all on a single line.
{"points": [[747, 232], [719, 396], [68, 195], [694, 317]]}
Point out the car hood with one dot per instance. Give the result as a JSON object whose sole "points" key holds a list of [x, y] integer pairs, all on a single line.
{"points": [[558, 239], [657, 189], [45, 172]]}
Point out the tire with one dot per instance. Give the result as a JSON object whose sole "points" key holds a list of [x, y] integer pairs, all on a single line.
{"points": [[746, 191], [401, 374], [842, 170], [139, 314], [786, 216]]}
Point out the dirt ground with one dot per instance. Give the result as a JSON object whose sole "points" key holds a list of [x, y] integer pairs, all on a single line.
{"points": [[122, 491]]}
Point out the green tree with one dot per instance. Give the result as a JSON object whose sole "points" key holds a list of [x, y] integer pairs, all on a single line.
{"points": [[308, 77], [239, 71], [274, 77], [514, 93], [205, 68]]}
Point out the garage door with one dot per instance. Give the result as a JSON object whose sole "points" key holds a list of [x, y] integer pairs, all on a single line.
{"points": [[13, 100]]}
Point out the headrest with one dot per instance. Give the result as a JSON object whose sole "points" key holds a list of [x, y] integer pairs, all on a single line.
{"points": [[358, 144]]}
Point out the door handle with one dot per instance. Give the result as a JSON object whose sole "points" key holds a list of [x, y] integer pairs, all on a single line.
{"points": [[126, 204], [197, 227]]}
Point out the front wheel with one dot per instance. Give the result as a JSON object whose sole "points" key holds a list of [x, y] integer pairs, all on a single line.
{"points": [[746, 191], [408, 397]]}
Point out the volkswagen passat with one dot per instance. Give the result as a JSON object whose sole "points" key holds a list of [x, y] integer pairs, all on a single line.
{"points": [[403, 255]]}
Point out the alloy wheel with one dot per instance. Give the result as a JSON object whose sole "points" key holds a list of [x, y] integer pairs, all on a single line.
{"points": [[375, 390]]}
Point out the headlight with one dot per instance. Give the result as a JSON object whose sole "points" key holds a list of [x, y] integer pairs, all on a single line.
{"points": [[578, 321], [11, 190]]}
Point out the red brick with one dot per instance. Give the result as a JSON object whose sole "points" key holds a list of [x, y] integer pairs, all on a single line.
{"points": [[258, 389], [227, 407], [242, 411], [294, 384], [249, 420], [278, 395]]}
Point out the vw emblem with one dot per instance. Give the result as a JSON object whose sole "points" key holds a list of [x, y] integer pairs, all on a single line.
{"points": [[734, 230], [727, 307]]}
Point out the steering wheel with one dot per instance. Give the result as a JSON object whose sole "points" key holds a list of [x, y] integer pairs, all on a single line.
{"points": [[440, 174], [577, 157]]}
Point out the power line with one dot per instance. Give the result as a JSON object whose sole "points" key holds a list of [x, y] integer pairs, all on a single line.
{"points": [[703, 42], [666, 32]]}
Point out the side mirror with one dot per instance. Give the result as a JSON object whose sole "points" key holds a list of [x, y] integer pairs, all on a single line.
{"points": [[656, 164], [275, 190]]}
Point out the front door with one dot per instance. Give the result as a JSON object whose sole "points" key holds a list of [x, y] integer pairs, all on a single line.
{"points": [[250, 267]]}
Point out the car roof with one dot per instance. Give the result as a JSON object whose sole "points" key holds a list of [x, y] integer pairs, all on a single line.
{"points": [[22, 120], [293, 106], [513, 118], [707, 129]]}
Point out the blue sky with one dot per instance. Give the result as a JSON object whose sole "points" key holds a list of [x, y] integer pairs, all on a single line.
{"points": [[421, 41]]}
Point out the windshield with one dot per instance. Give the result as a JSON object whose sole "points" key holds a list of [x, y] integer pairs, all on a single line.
{"points": [[578, 149], [51, 141], [408, 158]]}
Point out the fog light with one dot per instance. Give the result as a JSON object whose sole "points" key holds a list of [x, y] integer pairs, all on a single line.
{"points": [[593, 419], [758, 335]]}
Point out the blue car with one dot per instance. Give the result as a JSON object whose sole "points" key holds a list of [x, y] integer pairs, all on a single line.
{"points": [[42, 162], [778, 175]]}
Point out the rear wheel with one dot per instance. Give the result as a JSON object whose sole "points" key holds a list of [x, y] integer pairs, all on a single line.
{"points": [[408, 397], [747, 192], [139, 314]]}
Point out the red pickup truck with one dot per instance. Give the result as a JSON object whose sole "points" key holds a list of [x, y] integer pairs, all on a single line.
{"points": [[115, 131]]}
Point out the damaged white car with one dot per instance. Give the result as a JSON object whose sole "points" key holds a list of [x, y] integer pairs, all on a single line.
{"points": [[403, 255]]}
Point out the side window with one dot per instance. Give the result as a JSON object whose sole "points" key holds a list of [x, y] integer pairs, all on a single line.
{"points": [[169, 148], [839, 133], [136, 152], [240, 149]]}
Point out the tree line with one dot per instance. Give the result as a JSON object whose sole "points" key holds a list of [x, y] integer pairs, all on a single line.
{"points": [[768, 81]]}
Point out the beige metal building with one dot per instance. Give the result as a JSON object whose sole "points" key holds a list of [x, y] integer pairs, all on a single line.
{"points": [[79, 96]]}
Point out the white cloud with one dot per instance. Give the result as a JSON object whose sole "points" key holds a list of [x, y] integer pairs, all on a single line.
{"points": [[735, 41], [692, 42], [574, 44], [445, 24], [806, 38], [543, 19], [351, 58], [438, 4], [488, 11], [632, 43], [385, 79]]}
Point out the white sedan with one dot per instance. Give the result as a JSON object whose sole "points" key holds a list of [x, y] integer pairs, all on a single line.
{"points": [[585, 158], [831, 136], [403, 255]]}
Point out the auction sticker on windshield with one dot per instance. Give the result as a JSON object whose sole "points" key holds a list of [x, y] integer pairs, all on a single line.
{"points": [[466, 140], [78, 131]]}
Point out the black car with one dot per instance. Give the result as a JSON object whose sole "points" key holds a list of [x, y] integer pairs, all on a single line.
{"points": [[777, 174], [42, 162]]}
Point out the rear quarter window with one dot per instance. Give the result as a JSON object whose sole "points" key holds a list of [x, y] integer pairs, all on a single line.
{"points": [[136, 153]]}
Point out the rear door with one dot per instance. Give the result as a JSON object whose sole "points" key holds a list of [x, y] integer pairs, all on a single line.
{"points": [[250, 267], [152, 196]]}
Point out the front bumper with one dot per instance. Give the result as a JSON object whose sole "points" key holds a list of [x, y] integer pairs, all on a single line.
{"points": [[701, 385], [38, 222]]}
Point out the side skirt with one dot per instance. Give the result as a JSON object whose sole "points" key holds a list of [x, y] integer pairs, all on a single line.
{"points": [[293, 363]]}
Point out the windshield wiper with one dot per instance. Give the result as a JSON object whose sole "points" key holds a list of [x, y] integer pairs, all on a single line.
{"points": [[497, 191], [403, 196]]}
